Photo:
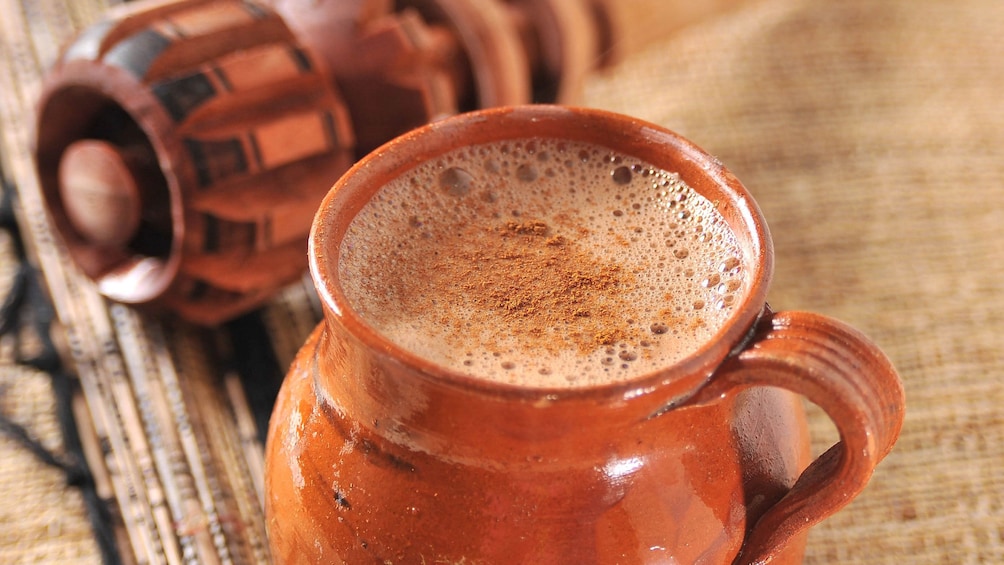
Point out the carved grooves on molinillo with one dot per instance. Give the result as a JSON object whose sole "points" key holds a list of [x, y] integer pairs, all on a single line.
{"points": [[252, 111]]}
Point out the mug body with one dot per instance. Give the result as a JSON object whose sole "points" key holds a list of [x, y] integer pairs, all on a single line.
{"points": [[680, 487], [377, 454]]}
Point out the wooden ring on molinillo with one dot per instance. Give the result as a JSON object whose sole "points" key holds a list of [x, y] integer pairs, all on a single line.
{"points": [[394, 69], [182, 151], [565, 39], [492, 45]]}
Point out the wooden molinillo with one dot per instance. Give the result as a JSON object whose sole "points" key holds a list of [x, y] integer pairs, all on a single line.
{"points": [[184, 146]]}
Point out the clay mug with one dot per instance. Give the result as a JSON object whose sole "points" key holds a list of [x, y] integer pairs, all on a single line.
{"points": [[376, 454]]}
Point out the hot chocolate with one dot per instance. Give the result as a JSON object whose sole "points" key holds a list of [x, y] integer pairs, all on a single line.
{"points": [[542, 263]]}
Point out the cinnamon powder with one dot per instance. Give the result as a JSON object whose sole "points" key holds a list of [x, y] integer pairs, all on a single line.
{"points": [[549, 293]]}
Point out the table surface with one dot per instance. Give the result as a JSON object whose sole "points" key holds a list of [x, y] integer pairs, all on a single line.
{"points": [[870, 133]]}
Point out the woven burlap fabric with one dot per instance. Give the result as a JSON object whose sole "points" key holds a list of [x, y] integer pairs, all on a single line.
{"points": [[41, 519], [871, 134]]}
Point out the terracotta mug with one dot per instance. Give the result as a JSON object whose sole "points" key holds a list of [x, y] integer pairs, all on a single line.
{"points": [[376, 454]]}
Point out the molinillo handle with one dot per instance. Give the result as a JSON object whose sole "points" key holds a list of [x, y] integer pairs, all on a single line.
{"points": [[841, 371], [184, 146]]}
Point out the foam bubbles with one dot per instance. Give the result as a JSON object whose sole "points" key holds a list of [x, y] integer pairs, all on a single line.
{"points": [[456, 181], [621, 175], [682, 273], [527, 172]]}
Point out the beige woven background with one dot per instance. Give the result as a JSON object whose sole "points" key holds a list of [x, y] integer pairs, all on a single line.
{"points": [[871, 133], [41, 521]]}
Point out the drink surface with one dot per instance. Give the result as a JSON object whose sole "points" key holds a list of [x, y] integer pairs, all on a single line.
{"points": [[542, 263]]}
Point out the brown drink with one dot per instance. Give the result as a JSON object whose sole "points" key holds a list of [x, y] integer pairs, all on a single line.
{"points": [[542, 263], [463, 284]]}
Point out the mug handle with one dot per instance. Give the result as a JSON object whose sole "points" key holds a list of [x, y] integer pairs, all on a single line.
{"points": [[844, 373]]}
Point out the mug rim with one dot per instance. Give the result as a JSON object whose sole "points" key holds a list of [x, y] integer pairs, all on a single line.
{"points": [[618, 132]]}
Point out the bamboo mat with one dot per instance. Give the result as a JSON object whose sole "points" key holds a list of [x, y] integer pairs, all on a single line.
{"points": [[173, 444], [871, 135]]}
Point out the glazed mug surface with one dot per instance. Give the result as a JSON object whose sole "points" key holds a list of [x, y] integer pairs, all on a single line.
{"points": [[377, 454]]}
